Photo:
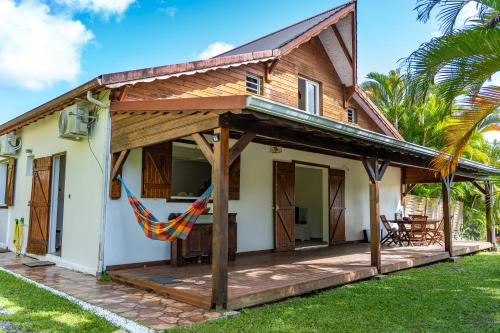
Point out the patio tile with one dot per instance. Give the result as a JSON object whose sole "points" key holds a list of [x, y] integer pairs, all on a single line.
{"points": [[152, 310]]}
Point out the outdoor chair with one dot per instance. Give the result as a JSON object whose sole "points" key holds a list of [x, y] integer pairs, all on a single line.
{"points": [[392, 233], [417, 234]]}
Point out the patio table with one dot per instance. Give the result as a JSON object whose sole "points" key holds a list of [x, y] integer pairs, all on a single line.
{"points": [[403, 230]]}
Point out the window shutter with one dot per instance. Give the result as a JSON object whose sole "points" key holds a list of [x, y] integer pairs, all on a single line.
{"points": [[9, 190], [157, 171], [234, 180]]}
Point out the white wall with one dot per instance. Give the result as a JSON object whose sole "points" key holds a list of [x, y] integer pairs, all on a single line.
{"points": [[83, 189], [125, 242]]}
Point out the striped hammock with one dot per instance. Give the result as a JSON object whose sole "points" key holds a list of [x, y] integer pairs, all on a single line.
{"points": [[178, 227]]}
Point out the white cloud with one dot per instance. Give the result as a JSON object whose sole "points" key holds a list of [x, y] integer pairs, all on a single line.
{"points": [[104, 7], [215, 49], [470, 11], [37, 48], [169, 11]]}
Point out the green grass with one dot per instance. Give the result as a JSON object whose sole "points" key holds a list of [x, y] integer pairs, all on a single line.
{"points": [[37, 310], [445, 297]]}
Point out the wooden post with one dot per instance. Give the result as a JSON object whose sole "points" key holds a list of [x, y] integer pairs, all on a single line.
{"points": [[376, 257], [375, 174], [220, 180], [446, 185], [490, 223]]}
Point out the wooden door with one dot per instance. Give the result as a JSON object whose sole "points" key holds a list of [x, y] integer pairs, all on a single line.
{"points": [[38, 235], [337, 206], [284, 206]]}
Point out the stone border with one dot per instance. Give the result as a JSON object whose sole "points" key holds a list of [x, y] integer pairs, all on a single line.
{"points": [[123, 323]]}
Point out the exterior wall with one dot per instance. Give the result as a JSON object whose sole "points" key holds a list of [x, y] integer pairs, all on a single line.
{"points": [[83, 190], [125, 242], [4, 219], [309, 60]]}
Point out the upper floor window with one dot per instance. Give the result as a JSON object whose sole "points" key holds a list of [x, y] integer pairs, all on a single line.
{"points": [[352, 116], [309, 96], [254, 84]]}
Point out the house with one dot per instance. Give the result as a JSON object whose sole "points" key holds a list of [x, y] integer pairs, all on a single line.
{"points": [[298, 155]]}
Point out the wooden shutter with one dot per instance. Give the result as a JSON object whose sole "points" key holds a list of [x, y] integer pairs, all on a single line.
{"points": [[40, 206], [157, 171], [234, 180], [9, 188], [284, 206], [337, 206]]}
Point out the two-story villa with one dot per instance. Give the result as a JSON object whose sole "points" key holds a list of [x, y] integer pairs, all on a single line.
{"points": [[299, 157]]}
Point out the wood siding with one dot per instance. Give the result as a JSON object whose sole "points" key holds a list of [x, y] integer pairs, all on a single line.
{"points": [[309, 60]]}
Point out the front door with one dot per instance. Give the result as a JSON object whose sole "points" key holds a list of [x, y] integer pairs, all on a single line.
{"points": [[337, 206], [38, 235], [284, 206]]}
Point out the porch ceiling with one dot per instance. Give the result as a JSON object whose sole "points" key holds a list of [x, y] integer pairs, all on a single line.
{"points": [[274, 124]]}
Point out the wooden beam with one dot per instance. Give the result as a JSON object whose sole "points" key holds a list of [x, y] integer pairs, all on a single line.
{"points": [[481, 189], [354, 45], [204, 146], [220, 180], [348, 92], [369, 169], [221, 103], [115, 186], [376, 257], [240, 145], [448, 239], [119, 163], [490, 221], [342, 44], [375, 173]]}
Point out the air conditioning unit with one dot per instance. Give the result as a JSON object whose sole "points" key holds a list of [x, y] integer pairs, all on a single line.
{"points": [[74, 122], [9, 144]]}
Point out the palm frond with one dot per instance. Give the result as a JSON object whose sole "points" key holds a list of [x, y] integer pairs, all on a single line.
{"points": [[448, 12], [463, 60], [471, 113]]}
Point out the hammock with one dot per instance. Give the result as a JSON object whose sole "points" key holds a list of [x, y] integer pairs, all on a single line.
{"points": [[178, 227]]}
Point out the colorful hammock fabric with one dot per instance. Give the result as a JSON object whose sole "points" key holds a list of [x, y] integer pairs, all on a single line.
{"points": [[178, 227]]}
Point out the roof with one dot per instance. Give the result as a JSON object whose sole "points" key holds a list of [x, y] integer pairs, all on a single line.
{"points": [[391, 144], [350, 134], [279, 43], [278, 39]]}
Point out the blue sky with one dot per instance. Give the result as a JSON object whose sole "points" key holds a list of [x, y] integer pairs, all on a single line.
{"points": [[75, 40]]}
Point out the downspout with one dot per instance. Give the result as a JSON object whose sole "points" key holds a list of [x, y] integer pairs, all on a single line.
{"points": [[105, 189]]}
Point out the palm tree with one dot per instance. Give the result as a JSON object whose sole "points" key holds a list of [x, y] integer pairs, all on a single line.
{"points": [[388, 93], [460, 63]]}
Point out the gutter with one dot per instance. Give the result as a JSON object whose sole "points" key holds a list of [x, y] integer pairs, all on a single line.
{"points": [[105, 187], [286, 112]]}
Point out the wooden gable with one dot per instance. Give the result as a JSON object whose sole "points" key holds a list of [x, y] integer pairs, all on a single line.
{"points": [[309, 60]]}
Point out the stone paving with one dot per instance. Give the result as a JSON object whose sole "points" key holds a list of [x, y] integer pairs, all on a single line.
{"points": [[151, 310]]}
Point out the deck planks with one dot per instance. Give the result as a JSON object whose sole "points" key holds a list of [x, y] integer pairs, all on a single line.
{"points": [[264, 278]]}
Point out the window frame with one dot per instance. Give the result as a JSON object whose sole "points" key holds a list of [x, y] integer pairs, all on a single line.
{"points": [[317, 84], [259, 83], [354, 115]]}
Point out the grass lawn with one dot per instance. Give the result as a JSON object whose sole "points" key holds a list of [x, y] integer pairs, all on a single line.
{"points": [[32, 309], [445, 297]]}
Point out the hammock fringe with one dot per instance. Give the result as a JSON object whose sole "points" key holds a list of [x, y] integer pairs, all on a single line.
{"points": [[177, 228]]}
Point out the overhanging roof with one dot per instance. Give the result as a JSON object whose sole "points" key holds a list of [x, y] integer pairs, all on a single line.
{"points": [[282, 111], [273, 120]]}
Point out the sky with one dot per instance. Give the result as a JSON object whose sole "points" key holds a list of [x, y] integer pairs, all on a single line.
{"points": [[50, 47]]}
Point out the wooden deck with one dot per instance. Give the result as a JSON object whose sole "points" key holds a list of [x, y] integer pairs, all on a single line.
{"points": [[269, 277]]}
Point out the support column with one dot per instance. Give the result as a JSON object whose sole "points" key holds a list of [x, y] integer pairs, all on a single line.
{"points": [[220, 180], [376, 257], [375, 173], [446, 185], [490, 223]]}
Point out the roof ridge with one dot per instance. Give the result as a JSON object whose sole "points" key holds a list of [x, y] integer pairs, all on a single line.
{"points": [[289, 26]]}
